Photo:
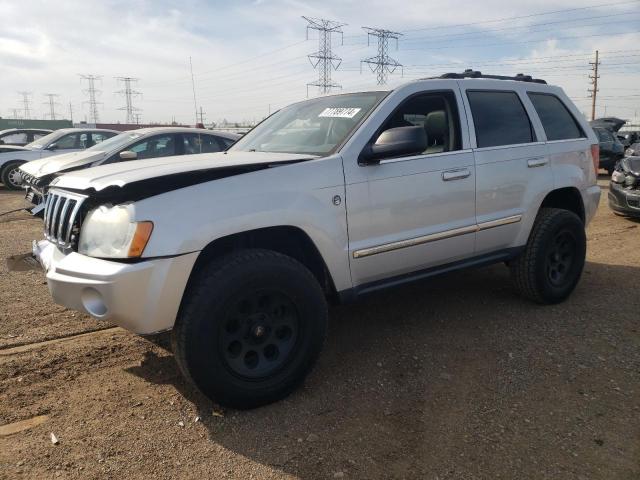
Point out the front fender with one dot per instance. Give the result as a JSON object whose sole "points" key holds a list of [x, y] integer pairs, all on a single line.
{"points": [[300, 195]]}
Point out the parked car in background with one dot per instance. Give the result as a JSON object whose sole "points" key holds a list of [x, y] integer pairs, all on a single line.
{"points": [[21, 136], [611, 150], [633, 150], [61, 141], [624, 188], [131, 145], [628, 138]]}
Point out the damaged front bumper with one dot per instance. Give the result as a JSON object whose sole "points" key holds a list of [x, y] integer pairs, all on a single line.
{"points": [[625, 201], [142, 297]]}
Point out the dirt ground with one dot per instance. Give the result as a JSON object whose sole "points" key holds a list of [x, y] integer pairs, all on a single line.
{"points": [[453, 378]]}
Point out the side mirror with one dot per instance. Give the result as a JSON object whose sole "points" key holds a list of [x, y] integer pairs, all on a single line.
{"points": [[395, 142], [53, 146], [128, 155]]}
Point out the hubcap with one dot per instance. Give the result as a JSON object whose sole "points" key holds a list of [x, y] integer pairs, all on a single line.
{"points": [[560, 258], [259, 333], [14, 177]]}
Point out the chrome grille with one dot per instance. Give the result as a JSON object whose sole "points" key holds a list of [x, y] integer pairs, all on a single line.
{"points": [[61, 217], [27, 179]]}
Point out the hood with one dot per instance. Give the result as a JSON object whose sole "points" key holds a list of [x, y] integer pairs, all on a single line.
{"points": [[631, 165], [60, 163], [610, 123], [156, 175]]}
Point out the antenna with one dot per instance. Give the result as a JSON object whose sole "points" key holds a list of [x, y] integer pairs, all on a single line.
{"points": [[324, 60], [193, 86], [52, 104], [382, 64], [129, 94], [26, 108], [93, 94]]}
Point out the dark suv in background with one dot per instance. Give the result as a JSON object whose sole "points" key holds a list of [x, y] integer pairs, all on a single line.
{"points": [[611, 150]]}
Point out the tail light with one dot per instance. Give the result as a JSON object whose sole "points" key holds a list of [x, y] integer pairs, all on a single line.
{"points": [[595, 156]]}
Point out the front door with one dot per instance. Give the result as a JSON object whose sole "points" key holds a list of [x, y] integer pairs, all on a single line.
{"points": [[410, 213]]}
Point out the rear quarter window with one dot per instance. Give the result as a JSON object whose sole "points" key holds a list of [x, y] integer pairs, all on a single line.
{"points": [[499, 118], [557, 120]]}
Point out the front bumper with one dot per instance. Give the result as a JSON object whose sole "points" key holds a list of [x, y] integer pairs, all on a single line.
{"points": [[142, 297], [624, 200]]}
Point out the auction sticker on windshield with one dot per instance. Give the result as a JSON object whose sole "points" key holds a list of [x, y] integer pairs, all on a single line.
{"points": [[340, 112]]}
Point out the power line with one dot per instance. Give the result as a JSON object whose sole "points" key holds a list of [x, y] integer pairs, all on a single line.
{"points": [[93, 94], [594, 81], [382, 64], [51, 102], [129, 94], [324, 60], [26, 108]]}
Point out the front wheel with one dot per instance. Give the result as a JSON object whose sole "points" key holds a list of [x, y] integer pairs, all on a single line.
{"points": [[551, 265], [10, 175], [251, 327]]}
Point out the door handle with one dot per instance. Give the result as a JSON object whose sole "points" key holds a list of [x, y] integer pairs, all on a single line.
{"points": [[455, 174], [537, 162]]}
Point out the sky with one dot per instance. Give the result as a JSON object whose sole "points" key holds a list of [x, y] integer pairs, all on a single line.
{"points": [[250, 57]]}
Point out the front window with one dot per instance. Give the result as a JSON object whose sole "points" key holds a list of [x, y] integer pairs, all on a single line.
{"points": [[315, 127]]}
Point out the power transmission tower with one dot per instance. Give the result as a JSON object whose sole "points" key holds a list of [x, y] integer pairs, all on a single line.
{"points": [[14, 113], [324, 60], [52, 104], [71, 112], [382, 64], [93, 93], [129, 94], [26, 104], [593, 92]]}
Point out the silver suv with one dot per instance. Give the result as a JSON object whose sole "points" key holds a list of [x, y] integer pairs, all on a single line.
{"points": [[331, 198]]}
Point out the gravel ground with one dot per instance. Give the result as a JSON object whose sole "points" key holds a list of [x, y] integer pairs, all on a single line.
{"points": [[453, 378]]}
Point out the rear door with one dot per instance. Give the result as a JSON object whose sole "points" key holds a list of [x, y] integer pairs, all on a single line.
{"points": [[512, 165]]}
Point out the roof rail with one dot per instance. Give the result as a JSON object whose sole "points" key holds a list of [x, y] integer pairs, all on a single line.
{"points": [[469, 73]]}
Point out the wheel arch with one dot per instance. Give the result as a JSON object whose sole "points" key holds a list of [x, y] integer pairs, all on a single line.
{"points": [[566, 198], [285, 239]]}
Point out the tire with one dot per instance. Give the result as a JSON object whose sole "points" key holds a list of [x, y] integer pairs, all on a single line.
{"points": [[551, 265], [8, 175], [250, 328]]}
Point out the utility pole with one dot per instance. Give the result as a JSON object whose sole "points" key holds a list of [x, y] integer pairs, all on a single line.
{"points": [[324, 60], [382, 64], [52, 104], [71, 113], [201, 116], [193, 86], [26, 108], [93, 94], [128, 94], [137, 119], [594, 81]]}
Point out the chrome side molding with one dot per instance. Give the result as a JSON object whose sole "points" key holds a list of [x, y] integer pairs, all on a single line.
{"points": [[412, 242]]}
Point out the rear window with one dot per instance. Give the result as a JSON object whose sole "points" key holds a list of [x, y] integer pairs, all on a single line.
{"points": [[499, 119], [557, 121]]}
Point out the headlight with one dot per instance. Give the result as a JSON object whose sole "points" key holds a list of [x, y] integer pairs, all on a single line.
{"points": [[108, 232], [617, 177]]}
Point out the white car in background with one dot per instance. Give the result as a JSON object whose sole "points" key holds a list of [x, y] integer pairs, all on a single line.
{"points": [[130, 145], [61, 141]]}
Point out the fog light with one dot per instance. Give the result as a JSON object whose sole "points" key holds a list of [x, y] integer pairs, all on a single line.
{"points": [[93, 303]]}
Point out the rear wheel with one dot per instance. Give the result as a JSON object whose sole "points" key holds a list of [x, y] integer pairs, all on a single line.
{"points": [[250, 328], [10, 175], [551, 265]]}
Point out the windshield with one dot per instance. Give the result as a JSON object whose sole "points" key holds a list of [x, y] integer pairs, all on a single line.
{"points": [[315, 127], [115, 142], [44, 141]]}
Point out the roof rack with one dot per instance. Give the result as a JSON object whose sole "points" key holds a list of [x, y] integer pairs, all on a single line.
{"points": [[469, 73]]}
